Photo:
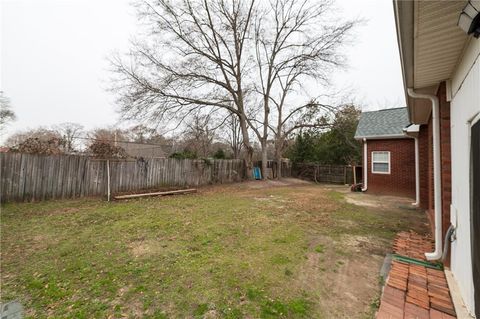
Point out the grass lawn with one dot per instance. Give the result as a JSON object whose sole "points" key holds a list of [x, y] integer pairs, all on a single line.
{"points": [[236, 251]]}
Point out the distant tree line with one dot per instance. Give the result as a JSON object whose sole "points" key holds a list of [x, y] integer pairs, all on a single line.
{"points": [[335, 145], [204, 137]]}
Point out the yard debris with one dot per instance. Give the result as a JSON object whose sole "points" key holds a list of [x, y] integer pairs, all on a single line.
{"points": [[175, 192]]}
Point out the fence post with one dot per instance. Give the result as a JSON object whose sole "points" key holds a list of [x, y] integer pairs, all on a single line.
{"points": [[108, 180]]}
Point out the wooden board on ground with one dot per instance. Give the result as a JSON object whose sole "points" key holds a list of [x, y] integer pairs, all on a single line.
{"points": [[176, 192]]}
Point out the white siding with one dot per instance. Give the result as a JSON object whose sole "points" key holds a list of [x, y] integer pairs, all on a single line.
{"points": [[464, 105]]}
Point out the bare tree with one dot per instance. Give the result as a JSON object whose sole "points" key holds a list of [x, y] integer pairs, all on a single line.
{"points": [[6, 112], [199, 134], [140, 133], [232, 135], [70, 133], [295, 42], [101, 149], [32, 145], [109, 135], [40, 133], [194, 57], [250, 60], [37, 141]]}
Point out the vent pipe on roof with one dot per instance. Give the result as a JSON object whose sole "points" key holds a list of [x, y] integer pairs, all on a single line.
{"points": [[437, 254]]}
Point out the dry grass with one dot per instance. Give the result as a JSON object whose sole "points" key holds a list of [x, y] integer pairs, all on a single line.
{"points": [[253, 250]]}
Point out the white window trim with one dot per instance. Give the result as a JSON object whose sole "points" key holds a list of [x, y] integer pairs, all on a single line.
{"points": [[388, 162]]}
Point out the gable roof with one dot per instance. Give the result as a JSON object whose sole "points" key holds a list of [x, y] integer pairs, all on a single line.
{"points": [[388, 123]]}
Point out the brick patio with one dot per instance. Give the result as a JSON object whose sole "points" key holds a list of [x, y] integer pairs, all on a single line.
{"points": [[414, 291]]}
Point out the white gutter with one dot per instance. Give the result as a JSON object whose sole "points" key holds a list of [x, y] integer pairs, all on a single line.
{"points": [[365, 166], [379, 137], [437, 254]]}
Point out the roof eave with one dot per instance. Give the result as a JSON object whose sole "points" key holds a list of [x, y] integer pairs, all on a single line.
{"points": [[405, 27], [403, 12], [381, 137], [411, 32]]}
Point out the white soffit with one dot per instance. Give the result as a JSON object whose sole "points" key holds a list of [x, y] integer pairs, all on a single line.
{"points": [[438, 41]]}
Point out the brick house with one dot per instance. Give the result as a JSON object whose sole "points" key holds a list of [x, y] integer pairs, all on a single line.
{"points": [[439, 49], [388, 152]]}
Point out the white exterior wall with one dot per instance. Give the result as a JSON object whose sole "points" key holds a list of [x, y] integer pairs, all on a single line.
{"points": [[465, 104]]}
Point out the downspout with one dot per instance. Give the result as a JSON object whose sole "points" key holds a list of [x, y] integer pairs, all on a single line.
{"points": [[417, 174], [365, 166], [437, 254], [414, 134]]}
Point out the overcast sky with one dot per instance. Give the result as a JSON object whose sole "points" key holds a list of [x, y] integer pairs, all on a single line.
{"points": [[54, 69]]}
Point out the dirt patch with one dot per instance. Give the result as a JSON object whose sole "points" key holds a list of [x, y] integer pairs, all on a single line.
{"points": [[376, 201], [343, 284], [69, 210], [274, 183], [145, 248], [355, 283], [390, 205], [135, 308], [313, 199], [254, 185], [362, 244], [311, 272], [211, 314]]}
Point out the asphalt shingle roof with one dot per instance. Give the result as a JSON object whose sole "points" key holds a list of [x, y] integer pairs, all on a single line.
{"points": [[382, 123]]}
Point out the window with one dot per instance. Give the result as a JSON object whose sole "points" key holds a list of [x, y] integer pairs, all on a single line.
{"points": [[381, 162]]}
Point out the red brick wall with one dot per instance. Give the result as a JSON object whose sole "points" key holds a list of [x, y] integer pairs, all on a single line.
{"points": [[445, 156], [425, 147], [426, 162], [401, 180], [426, 166]]}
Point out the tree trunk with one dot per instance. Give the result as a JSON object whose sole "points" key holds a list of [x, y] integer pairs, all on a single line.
{"points": [[278, 157], [249, 161], [264, 160], [248, 147]]}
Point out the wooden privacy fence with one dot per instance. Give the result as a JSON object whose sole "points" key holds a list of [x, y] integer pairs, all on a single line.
{"points": [[27, 177], [338, 174]]}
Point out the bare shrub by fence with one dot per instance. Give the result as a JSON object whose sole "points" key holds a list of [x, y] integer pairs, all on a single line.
{"points": [[338, 174], [27, 177]]}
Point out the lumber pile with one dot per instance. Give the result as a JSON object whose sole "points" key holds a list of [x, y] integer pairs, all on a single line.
{"points": [[176, 192]]}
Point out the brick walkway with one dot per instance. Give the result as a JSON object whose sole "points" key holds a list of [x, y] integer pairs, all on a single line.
{"points": [[415, 291]]}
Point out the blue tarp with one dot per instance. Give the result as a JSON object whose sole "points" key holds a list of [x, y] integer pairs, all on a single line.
{"points": [[257, 174]]}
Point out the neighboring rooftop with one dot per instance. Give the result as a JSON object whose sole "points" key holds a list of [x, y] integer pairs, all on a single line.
{"points": [[383, 123]]}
